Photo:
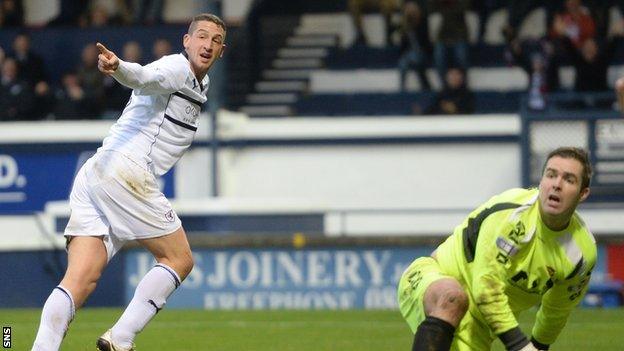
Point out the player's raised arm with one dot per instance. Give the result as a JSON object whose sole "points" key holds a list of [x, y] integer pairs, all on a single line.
{"points": [[108, 62], [163, 76]]}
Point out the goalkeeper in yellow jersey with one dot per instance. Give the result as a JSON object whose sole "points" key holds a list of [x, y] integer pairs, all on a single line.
{"points": [[522, 248]]}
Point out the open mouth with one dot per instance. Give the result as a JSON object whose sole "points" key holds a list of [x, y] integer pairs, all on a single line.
{"points": [[554, 198], [207, 56]]}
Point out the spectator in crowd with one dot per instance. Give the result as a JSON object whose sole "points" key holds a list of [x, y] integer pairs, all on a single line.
{"points": [[358, 7], [591, 65], [31, 69], [16, 96], [117, 95], [149, 12], [30, 64], [541, 61], [98, 16], [161, 48], [575, 23], [132, 52], [90, 79], [11, 13], [455, 98], [538, 86], [453, 34], [44, 101], [73, 101], [591, 61], [415, 45]]}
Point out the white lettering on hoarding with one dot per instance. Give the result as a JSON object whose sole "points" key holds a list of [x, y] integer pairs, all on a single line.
{"points": [[289, 269], [279, 300], [266, 266], [9, 177], [250, 269], [237, 262], [380, 297], [9, 173], [376, 267], [218, 279], [347, 264], [317, 273], [312, 269]]}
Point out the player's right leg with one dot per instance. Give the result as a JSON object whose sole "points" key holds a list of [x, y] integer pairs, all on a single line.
{"points": [[87, 258], [174, 263], [432, 303]]}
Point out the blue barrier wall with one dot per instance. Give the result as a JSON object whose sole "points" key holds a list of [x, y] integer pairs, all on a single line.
{"points": [[241, 278], [29, 277], [35, 173], [328, 278]]}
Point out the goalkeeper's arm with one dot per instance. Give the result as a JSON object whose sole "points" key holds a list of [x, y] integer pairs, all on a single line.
{"points": [[557, 304]]}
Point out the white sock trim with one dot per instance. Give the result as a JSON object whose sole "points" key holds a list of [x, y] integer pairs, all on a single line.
{"points": [[176, 278]]}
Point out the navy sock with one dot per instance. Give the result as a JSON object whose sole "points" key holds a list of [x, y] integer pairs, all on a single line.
{"points": [[433, 334]]}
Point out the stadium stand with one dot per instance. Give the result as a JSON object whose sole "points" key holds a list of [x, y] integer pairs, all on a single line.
{"points": [[308, 61]]}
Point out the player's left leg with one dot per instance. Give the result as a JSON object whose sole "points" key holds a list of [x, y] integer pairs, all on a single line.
{"points": [[445, 303], [175, 261], [432, 303]]}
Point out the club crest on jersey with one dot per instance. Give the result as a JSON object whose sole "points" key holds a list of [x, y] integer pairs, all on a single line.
{"points": [[169, 216], [517, 233]]}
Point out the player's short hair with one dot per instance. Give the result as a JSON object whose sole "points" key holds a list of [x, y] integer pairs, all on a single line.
{"points": [[206, 17], [578, 154]]}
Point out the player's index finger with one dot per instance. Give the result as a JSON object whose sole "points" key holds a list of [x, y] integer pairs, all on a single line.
{"points": [[102, 48]]}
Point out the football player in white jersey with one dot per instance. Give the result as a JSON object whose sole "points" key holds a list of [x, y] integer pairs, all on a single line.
{"points": [[115, 197]]}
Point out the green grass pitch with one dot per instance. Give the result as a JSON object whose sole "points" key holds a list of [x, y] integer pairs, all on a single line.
{"points": [[588, 329]]}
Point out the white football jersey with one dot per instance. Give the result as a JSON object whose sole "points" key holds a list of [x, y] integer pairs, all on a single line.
{"points": [[160, 120]]}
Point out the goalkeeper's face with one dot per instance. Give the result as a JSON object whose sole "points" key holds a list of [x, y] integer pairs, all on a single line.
{"points": [[561, 189]]}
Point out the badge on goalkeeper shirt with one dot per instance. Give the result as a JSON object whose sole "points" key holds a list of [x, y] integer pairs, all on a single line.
{"points": [[506, 247]]}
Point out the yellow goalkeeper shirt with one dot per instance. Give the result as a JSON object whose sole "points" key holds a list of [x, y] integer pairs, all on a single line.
{"points": [[509, 261]]}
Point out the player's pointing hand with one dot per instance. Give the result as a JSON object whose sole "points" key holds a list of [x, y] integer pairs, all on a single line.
{"points": [[107, 60]]}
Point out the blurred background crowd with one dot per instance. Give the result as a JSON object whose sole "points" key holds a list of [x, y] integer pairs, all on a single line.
{"points": [[403, 57]]}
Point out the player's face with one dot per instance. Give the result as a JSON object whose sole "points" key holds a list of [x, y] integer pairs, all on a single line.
{"points": [[560, 189], [204, 46]]}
